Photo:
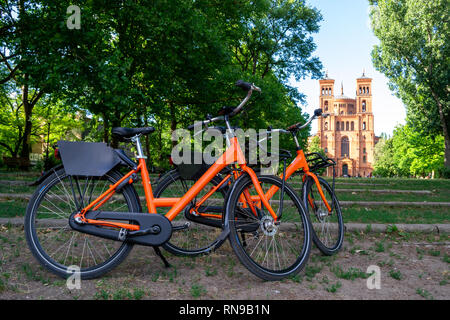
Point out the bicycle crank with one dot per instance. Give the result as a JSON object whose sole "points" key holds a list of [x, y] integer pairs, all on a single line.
{"points": [[154, 229]]}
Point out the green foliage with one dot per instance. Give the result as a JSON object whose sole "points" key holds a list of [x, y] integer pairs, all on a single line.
{"points": [[409, 153], [161, 63], [414, 54]]}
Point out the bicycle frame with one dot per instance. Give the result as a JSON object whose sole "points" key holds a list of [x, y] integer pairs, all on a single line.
{"points": [[298, 163], [233, 154]]}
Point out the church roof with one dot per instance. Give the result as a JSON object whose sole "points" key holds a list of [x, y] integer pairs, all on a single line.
{"points": [[343, 97]]}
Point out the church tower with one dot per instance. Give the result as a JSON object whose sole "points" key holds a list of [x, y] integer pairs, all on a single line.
{"points": [[347, 134]]}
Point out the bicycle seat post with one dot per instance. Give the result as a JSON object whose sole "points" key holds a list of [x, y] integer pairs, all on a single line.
{"points": [[140, 154], [229, 129]]}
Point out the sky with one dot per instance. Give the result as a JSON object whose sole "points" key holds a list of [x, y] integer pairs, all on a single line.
{"points": [[344, 45]]}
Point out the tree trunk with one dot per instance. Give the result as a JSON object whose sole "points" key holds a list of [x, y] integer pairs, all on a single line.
{"points": [[173, 122], [105, 129], [28, 108], [444, 125]]}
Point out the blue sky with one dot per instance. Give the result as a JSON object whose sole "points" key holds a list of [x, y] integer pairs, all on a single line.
{"points": [[344, 45]]}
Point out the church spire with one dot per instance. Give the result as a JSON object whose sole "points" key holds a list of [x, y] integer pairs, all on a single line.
{"points": [[342, 88]]}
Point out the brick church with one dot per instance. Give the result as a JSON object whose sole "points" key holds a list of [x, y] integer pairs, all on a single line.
{"points": [[347, 134]]}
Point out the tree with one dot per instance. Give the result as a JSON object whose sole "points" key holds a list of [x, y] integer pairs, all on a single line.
{"points": [[414, 54], [384, 164], [409, 153]]}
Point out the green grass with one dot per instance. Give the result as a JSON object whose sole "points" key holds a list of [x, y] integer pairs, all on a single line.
{"points": [[197, 290], [12, 208], [380, 214], [396, 215], [396, 274], [350, 274], [424, 293]]}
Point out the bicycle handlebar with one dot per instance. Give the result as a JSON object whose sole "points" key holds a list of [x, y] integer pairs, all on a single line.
{"points": [[247, 86], [299, 126]]}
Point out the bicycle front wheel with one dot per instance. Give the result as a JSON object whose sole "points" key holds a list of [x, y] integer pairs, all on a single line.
{"points": [[272, 250], [327, 227]]}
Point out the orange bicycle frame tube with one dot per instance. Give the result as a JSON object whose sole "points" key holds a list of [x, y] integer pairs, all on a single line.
{"points": [[231, 155], [300, 163]]}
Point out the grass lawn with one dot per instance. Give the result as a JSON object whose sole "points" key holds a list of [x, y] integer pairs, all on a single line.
{"points": [[389, 214]]}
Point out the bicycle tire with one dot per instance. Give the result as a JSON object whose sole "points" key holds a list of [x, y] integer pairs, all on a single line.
{"points": [[34, 233], [322, 224], [292, 218]]}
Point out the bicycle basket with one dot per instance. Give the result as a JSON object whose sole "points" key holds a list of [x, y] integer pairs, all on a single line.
{"points": [[317, 162], [193, 171]]}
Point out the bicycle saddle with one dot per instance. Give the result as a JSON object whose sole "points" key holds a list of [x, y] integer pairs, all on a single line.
{"points": [[131, 132]]}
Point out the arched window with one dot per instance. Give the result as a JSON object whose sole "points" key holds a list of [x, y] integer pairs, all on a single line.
{"points": [[346, 126], [337, 125], [364, 126], [360, 90], [353, 126], [345, 147], [326, 105], [364, 150], [342, 126], [364, 90], [364, 159], [323, 91], [326, 150], [367, 90], [326, 126], [364, 106]]}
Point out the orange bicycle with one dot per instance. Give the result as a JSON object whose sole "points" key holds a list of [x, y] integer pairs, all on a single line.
{"points": [[205, 212], [86, 216]]}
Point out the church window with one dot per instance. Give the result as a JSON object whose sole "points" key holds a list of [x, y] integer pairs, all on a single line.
{"points": [[367, 90], [364, 126], [342, 126], [364, 106], [326, 126], [344, 147], [364, 159], [353, 126], [337, 125], [347, 126]]}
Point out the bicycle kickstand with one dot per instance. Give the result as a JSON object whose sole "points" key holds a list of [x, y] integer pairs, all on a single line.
{"points": [[159, 254]]}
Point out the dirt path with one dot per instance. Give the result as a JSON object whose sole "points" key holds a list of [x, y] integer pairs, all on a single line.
{"points": [[413, 268]]}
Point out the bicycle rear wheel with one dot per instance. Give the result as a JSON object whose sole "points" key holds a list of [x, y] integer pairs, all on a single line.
{"points": [[272, 250], [327, 227], [55, 244]]}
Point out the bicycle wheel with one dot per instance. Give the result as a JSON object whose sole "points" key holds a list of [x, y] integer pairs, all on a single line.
{"points": [[192, 235], [327, 227], [270, 250], [55, 244]]}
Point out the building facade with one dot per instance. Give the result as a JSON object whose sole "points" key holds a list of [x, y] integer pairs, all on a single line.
{"points": [[347, 134]]}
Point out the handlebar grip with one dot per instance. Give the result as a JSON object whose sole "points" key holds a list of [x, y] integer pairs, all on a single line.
{"points": [[317, 112], [246, 86]]}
